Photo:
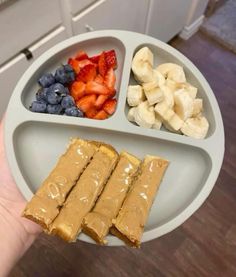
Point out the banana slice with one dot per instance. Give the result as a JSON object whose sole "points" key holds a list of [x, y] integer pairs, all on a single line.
{"points": [[168, 96], [183, 104], [158, 123], [135, 95], [197, 106], [157, 81], [163, 110], [172, 85], [174, 123], [144, 115], [190, 89], [172, 71], [154, 95], [130, 115], [142, 65], [196, 127]]}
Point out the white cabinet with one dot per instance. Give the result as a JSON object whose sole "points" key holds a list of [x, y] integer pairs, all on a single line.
{"points": [[11, 71], [112, 14], [167, 18], [22, 22], [77, 6]]}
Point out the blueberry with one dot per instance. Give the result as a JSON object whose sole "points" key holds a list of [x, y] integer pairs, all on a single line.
{"points": [[53, 98], [46, 80], [73, 111], [54, 109], [59, 89], [65, 74], [67, 102], [38, 107], [41, 95]]}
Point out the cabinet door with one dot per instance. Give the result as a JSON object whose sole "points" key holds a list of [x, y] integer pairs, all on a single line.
{"points": [[77, 6], [112, 14], [167, 18], [24, 21], [11, 72]]}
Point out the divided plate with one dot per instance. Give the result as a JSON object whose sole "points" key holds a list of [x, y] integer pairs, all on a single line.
{"points": [[34, 141]]}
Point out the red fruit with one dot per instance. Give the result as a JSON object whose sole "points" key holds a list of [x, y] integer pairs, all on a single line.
{"points": [[81, 55], [91, 112], [101, 115], [74, 64], [110, 106], [87, 73], [94, 87], [112, 93], [102, 67], [110, 57], [110, 79], [99, 79], [100, 101], [86, 102], [84, 63], [77, 90], [95, 59]]}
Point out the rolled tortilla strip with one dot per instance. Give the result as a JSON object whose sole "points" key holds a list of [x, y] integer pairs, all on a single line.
{"points": [[46, 203], [129, 224], [98, 222], [82, 198]]}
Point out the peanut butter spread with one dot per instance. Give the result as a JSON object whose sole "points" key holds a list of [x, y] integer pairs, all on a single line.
{"points": [[134, 212], [97, 223], [44, 206], [83, 196]]}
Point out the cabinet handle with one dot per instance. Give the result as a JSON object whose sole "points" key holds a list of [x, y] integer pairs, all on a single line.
{"points": [[28, 54], [89, 28]]}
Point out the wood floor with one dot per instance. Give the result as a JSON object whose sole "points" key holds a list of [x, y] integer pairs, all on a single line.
{"points": [[204, 246]]}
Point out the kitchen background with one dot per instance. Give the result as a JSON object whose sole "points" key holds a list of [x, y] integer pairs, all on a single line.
{"points": [[205, 245]]}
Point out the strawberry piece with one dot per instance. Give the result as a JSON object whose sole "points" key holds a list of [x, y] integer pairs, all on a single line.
{"points": [[112, 93], [95, 59], [91, 112], [110, 57], [102, 67], [94, 87], [74, 64], [77, 90], [87, 73], [110, 79], [100, 101], [84, 63], [81, 55], [101, 115], [86, 102], [99, 79], [110, 106]]}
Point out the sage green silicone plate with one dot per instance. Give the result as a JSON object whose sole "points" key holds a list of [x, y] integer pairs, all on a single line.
{"points": [[34, 141]]}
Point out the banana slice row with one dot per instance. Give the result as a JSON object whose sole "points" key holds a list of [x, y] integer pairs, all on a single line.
{"points": [[164, 97]]}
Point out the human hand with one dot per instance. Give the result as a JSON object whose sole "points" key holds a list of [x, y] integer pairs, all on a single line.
{"points": [[16, 233]]}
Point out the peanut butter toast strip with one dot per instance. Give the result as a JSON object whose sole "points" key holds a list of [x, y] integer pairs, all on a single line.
{"points": [[98, 222], [133, 214], [82, 198], [45, 204]]}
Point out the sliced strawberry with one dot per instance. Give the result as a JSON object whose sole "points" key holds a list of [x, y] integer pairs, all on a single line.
{"points": [[90, 113], [77, 90], [87, 73], [101, 115], [110, 106], [84, 63], [99, 79], [94, 87], [100, 100], [81, 55], [86, 102], [110, 57], [74, 64], [95, 59], [112, 93], [102, 67], [110, 79]]}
